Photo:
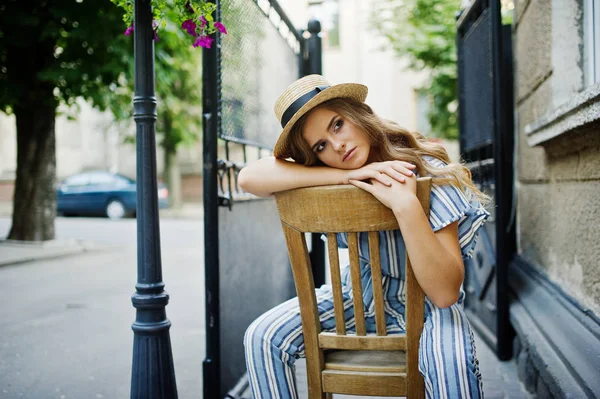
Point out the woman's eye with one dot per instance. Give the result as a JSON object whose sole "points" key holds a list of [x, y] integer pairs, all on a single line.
{"points": [[321, 146], [338, 124]]}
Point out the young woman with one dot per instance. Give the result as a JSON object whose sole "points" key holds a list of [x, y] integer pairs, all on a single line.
{"points": [[330, 136]]}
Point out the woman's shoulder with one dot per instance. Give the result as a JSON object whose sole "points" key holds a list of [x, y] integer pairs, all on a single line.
{"points": [[433, 161]]}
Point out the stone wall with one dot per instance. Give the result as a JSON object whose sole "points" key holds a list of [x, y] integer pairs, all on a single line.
{"points": [[558, 181], [557, 303]]}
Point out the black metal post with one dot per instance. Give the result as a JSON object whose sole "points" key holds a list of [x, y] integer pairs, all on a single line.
{"points": [[303, 55], [315, 51], [153, 373], [504, 183], [315, 66], [211, 88]]}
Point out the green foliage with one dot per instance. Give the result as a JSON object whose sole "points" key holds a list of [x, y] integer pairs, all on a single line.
{"points": [[175, 10], [72, 49], [424, 32], [178, 75]]}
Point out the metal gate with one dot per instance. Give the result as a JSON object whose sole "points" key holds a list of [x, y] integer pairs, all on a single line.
{"points": [[487, 141], [246, 263]]}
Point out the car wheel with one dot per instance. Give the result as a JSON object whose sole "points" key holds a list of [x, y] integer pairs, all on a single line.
{"points": [[115, 210]]}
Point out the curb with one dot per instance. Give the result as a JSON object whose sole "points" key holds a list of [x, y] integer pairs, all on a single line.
{"points": [[14, 252]]}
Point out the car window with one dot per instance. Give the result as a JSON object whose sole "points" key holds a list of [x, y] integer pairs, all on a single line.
{"points": [[122, 180], [77, 180], [101, 178]]}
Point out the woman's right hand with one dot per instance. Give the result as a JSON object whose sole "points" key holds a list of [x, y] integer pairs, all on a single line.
{"points": [[382, 172]]}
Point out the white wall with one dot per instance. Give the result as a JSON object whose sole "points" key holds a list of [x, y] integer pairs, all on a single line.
{"points": [[361, 58]]}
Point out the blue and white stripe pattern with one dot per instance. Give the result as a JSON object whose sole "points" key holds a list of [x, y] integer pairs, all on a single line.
{"points": [[447, 357]]}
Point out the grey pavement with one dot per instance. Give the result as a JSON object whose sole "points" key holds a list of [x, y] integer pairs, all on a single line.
{"points": [[66, 320]]}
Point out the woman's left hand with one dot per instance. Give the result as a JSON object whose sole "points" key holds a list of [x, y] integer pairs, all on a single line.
{"points": [[394, 196]]}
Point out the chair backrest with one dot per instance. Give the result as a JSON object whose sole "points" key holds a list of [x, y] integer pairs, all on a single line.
{"points": [[337, 209]]}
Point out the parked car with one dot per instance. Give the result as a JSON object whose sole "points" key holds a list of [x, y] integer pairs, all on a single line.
{"points": [[101, 193]]}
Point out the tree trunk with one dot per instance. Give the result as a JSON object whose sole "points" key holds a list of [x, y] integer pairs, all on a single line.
{"points": [[34, 202], [173, 179]]}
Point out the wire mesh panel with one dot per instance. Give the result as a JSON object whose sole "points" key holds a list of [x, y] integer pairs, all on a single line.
{"points": [[259, 60], [260, 57]]}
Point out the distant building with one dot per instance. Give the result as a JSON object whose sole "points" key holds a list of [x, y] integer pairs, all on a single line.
{"points": [[352, 52]]}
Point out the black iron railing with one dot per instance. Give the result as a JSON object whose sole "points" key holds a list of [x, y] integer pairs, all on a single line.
{"points": [[487, 143], [243, 75]]}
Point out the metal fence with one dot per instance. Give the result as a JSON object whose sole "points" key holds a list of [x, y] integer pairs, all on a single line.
{"points": [[246, 261], [486, 141]]}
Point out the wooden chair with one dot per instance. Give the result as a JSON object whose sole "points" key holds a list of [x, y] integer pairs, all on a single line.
{"points": [[356, 363]]}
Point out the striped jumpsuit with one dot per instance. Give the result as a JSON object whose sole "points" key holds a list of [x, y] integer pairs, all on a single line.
{"points": [[447, 357]]}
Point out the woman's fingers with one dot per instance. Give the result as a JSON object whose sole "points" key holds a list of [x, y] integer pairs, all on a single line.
{"points": [[362, 185], [396, 174], [382, 178], [403, 167]]}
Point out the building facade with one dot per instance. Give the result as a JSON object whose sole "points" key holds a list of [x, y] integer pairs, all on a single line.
{"points": [[555, 277]]}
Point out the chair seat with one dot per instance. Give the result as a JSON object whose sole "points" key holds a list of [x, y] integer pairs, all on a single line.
{"points": [[366, 361]]}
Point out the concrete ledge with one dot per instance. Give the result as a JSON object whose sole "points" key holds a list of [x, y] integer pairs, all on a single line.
{"points": [[583, 109], [558, 342]]}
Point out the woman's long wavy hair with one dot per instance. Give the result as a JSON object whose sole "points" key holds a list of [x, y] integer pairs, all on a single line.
{"points": [[390, 142]]}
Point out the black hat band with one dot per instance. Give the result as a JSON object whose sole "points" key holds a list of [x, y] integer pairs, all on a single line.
{"points": [[299, 103]]}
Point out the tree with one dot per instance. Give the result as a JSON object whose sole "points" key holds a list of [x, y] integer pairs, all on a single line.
{"points": [[425, 32], [178, 71], [51, 53]]}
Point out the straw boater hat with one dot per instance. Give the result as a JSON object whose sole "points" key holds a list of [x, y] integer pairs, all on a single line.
{"points": [[302, 96]]}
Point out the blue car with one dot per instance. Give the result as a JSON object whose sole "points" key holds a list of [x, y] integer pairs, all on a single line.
{"points": [[101, 193]]}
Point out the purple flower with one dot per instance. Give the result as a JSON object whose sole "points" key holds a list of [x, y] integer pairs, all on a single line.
{"points": [[221, 27], [129, 30], [203, 41], [202, 21], [155, 38], [190, 27]]}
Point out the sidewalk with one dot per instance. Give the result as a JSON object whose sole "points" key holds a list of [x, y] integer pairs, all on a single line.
{"points": [[14, 252], [189, 210]]}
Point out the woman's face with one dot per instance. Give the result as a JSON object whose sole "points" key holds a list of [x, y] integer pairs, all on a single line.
{"points": [[336, 141]]}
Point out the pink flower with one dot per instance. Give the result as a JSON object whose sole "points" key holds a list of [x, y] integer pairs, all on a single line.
{"points": [[129, 30], [190, 27], [221, 27], [202, 21], [203, 41]]}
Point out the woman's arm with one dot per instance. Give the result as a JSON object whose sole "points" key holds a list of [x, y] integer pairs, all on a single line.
{"points": [[270, 175], [435, 257]]}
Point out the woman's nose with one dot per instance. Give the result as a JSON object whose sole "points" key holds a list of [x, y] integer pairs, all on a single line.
{"points": [[338, 145]]}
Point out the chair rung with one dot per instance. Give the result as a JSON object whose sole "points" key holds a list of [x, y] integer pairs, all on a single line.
{"points": [[368, 361], [354, 342], [367, 384]]}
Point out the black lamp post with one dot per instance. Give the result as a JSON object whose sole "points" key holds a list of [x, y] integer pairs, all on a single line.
{"points": [[152, 373]]}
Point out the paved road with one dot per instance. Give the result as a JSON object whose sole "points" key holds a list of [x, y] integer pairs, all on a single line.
{"points": [[66, 323]]}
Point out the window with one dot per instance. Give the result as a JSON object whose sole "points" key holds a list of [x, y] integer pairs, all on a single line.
{"points": [[591, 24], [77, 180], [327, 12], [101, 178]]}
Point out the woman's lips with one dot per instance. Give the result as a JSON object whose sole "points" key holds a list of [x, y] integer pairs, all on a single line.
{"points": [[349, 154]]}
